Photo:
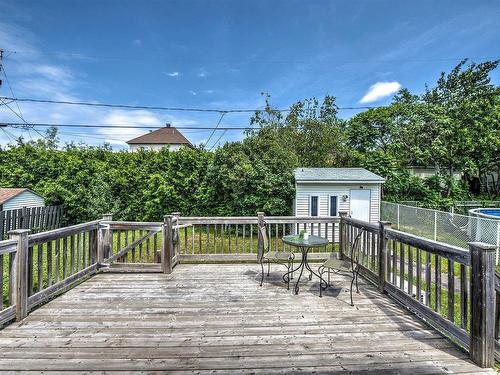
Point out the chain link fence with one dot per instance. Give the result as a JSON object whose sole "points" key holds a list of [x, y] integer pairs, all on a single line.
{"points": [[447, 227]]}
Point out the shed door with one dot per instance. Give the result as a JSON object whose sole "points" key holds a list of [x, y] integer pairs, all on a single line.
{"points": [[360, 204]]}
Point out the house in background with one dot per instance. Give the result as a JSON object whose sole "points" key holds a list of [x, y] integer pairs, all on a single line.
{"points": [[327, 191], [15, 198], [425, 172], [155, 140]]}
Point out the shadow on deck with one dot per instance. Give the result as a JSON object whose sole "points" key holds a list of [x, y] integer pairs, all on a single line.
{"points": [[216, 318]]}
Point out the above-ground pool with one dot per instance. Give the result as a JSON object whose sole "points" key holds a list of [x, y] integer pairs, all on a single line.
{"points": [[486, 226], [492, 213]]}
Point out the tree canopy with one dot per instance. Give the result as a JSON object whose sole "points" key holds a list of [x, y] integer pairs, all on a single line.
{"points": [[452, 126]]}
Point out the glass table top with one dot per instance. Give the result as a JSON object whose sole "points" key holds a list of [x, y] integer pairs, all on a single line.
{"points": [[312, 241]]}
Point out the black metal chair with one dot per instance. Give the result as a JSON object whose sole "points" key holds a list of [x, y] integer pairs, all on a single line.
{"points": [[279, 257], [350, 266]]}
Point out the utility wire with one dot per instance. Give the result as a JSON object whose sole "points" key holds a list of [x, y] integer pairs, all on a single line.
{"points": [[20, 114], [215, 144], [10, 89], [123, 126], [127, 106], [216, 126], [25, 125], [161, 108], [249, 59]]}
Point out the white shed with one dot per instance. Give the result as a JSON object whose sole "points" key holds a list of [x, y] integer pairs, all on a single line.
{"points": [[326, 191], [14, 198]]}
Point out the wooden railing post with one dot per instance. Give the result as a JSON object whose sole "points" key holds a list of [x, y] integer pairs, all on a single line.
{"points": [[166, 245], [104, 241], [175, 236], [260, 240], [382, 255], [482, 341], [19, 279], [342, 238], [93, 245]]}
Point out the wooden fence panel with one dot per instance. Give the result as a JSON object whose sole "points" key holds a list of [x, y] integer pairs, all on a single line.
{"points": [[37, 219]]}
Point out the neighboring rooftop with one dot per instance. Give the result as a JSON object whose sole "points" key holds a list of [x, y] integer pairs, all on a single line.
{"points": [[9, 193], [168, 135], [336, 175]]}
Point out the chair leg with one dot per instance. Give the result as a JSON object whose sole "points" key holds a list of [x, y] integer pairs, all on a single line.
{"points": [[352, 285], [288, 278], [268, 267], [320, 277], [357, 273], [291, 275], [262, 276]]}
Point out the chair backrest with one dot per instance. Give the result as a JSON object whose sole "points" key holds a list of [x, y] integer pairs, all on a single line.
{"points": [[263, 243], [355, 247]]}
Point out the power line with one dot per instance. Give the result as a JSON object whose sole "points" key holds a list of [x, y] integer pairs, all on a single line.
{"points": [[250, 59], [128, 106], [216, 126], [160, 108], [20, 114], [123, 126], [215, 144]]}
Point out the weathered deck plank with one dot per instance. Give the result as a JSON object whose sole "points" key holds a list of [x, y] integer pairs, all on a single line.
{"points": [[206, 318]]}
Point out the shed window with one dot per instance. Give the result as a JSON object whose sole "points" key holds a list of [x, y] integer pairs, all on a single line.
{"points": [[314, 205], [333, 205]]}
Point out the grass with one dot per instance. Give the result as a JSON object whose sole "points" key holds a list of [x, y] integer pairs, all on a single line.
{"points": [[199, 240]]}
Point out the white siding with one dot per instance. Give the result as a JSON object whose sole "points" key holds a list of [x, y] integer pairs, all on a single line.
{"points": [[25, 199], [155, 147], [324, 190]]}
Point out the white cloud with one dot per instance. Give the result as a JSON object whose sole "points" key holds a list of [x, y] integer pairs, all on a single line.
{"points": [[380, 90], [137, 42], [172, 74], [194, 93], [34, 75], [202, 73]]}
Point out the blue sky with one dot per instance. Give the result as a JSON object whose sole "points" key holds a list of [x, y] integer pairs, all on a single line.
{"points": [[224, 54]]}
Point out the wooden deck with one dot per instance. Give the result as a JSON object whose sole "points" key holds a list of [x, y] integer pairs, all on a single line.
{"points": [[216, 318]]}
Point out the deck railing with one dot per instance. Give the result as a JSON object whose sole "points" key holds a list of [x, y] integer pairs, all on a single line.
{"points": [[37, 267], [235, 238], [451, 288]]}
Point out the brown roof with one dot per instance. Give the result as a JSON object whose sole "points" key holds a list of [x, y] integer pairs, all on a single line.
{"points": [[8, 193], [164, 136]]}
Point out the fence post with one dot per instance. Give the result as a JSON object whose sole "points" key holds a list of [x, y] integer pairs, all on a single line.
{"points": [[23, 219], [104, 242], [93, 245], [398, 215], [382, 255], [435, 225], [20, 274], [342, 239], [498, 242], [260, 240], [175, 236], [482, 340], [166, 244]]}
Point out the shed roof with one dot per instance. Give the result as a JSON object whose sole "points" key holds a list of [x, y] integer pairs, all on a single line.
{"points": [[336, 175], [9, 193], [165, 136]]}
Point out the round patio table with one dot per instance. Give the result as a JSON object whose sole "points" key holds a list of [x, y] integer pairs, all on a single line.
{"points": [[304, 246]]}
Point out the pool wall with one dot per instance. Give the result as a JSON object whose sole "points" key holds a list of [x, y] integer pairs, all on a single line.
{"points": [[486, 226]]}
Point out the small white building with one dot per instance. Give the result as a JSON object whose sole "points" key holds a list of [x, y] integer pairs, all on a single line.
{"points": [[326, 191], [426, 172], [168, 136], [15, 198]]}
